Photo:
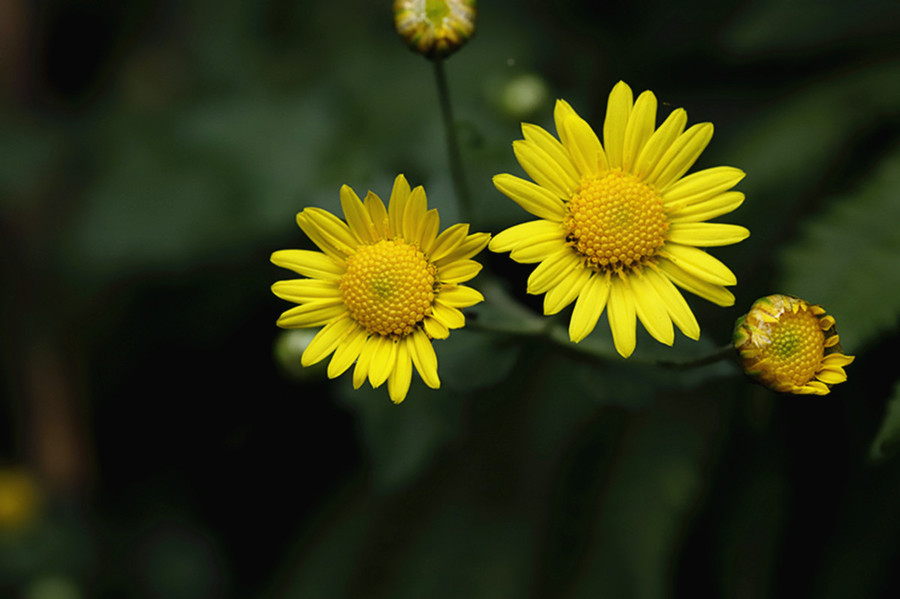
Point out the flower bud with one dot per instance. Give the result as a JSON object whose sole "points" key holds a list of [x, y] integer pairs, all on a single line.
{"points": [[435, 28], [790, 346]]}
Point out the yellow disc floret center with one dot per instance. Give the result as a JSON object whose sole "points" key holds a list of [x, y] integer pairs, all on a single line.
{"points": [[616, 221], [389, 287], [795, 349]]}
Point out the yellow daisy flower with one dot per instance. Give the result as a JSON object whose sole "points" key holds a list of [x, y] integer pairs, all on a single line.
{"points": [[620, 225], [790, 346], [384, 285]]}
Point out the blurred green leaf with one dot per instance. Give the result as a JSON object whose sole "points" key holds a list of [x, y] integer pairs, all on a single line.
{"points": [[400, 440], [845, 258], [887, 441]]}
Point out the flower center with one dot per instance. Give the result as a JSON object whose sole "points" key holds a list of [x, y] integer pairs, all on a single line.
{"points": [[389, 287], [795, 349], [616, 221]]}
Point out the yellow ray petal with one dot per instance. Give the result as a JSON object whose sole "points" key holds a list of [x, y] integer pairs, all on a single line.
{"points": [[383, 360], [701, 186], [379, 215], [641, 124], [308, 263], [435, 328], [468, 248], [676, 305], [447, 315], [327, 340], [423, 357], [680, 156], [428, 230], [358, 218], [361, 371], [312, 314], [512, 237], [589, 306], [545, 171], [416, 206], [401, 376], [622, 317], [618, 110], [708, 209], [551, 146], [328, 232], [347, 352], [698, 263], [659, 143], [306, 290], [566, 291], [448, 241], [706, 234], [460, 296], [651, 310], [552, 270], [397, 205], [535, 199], [708, 291], [459, 271], [584, 146]]}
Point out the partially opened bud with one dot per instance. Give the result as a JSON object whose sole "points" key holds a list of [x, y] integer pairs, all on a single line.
{"points": [[790, 346], [435, 28]]}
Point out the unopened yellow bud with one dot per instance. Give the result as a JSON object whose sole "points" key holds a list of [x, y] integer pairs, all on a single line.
{"points": [[790, 346], [435, 28]]}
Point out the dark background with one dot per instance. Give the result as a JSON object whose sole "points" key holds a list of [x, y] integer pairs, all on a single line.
{"points": [[152, 156]]}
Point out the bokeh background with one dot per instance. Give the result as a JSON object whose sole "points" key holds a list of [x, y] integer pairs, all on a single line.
{"points": [[158, 439]]}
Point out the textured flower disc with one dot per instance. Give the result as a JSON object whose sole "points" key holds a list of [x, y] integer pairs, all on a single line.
{"points": [[621, 227], [790, 346], [384, 284]]}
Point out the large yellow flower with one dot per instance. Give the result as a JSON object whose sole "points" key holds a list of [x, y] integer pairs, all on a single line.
{"points": [[384, 285], [620, 225]]}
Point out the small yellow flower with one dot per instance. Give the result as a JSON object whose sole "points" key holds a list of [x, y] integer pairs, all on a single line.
{"points": [[620, 225], [435, 28], [790, 346], [384, 285]]}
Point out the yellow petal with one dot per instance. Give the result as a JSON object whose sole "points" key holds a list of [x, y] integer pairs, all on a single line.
{"points": [[676, 305], [428, 230], [327, 340], [641, 124], [347, 352], [447, 315], [708, 291], [621, 314], [361, 372], [651, 310], [537, 200], [397, 205], [435, 328], [552, 270], [306, 290], [401, 376], [468, 248], [707, 209], [660, 142], [551, 146], [618, 110], [589, 306], [413, 213], [308, 263], [512, 237], [312, 314], [460, 296], [701, 186], [584, 146], [328, 232], [837, 360], [706, 234], [383, 360], [680, 156], [378, 214], [423, 357], [358, 218], [448, 241], [566, 291], [698, 263], [538, 248], [459, 271], [545, 171], [832, 376]]}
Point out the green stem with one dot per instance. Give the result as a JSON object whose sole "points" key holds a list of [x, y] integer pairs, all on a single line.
{"points": [[456, 171], [723, 353]]}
